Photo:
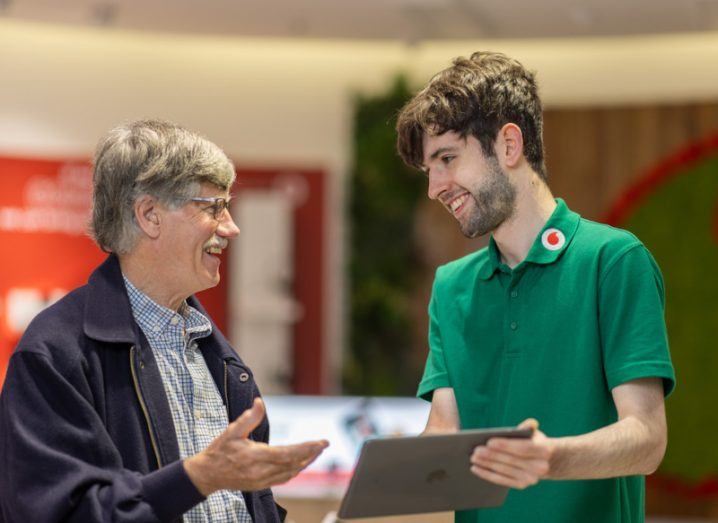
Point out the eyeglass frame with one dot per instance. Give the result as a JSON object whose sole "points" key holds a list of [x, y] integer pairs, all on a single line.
{"points": [[218, 204]]}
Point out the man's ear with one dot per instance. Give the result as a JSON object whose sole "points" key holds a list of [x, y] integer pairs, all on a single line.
{"points": [[147, 215], [509, 145]]}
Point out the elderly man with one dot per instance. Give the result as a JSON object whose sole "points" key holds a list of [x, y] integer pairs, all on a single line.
{"points": [[123, 401]]}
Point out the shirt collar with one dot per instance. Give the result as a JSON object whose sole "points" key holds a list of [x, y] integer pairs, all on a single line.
{"points": [[549, 245], [155, 319]]}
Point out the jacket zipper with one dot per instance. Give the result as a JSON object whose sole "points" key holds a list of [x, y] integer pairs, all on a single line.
{"points": [[226, 393], [144, 406]]}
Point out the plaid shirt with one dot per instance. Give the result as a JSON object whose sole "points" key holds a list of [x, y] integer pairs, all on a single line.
{"points": [[197, 410]]}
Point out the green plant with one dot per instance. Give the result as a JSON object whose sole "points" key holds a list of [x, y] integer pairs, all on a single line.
{"points": [[383, 260]]}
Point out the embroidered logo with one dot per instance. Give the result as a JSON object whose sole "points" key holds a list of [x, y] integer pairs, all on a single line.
{"points": [[553, 239]]}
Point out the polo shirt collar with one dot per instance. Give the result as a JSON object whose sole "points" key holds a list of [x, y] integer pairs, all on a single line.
{"points": [[493, 264], [549, 245]]}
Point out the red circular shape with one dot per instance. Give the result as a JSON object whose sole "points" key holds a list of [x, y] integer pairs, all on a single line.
{"points": [[627, 202], [553, 238], [648, 181]]}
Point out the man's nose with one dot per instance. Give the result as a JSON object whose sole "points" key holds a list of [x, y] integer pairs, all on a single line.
{"points": [[227, 228], [437, 185]]}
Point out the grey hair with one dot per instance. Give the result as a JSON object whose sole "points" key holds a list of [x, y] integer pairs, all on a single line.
{"points": [[149, 157]]}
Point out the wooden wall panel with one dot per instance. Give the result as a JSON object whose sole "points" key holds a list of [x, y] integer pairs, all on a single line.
{"points": [[593, 155]]}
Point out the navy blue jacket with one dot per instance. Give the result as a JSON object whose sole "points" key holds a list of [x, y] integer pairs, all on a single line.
{"points": [[86, 432]]}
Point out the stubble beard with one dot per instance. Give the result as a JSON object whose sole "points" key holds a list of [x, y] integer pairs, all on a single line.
{"points": [[494, 202]]}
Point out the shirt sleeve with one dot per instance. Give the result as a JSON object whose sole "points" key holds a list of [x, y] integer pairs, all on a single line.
{"points": [[435, 375], [58, 463], [633, 329]]}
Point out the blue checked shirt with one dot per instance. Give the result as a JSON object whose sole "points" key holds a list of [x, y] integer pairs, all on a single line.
{"points": [[197, 410]]}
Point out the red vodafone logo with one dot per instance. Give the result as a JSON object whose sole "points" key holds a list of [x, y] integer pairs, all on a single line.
{"points": [[553, 239]]}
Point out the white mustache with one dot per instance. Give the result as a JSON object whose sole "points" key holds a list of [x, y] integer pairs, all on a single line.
{"points": [[217, 242]]}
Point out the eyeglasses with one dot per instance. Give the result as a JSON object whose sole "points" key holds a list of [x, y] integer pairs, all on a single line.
{"points": [[217, 205]]}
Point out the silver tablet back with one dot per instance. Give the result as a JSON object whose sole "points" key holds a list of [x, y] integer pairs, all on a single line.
{"points": [[411, 475]]}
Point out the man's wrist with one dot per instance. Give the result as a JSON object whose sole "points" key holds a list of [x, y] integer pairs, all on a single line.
{"points": [[196, 470], [557, 457]]}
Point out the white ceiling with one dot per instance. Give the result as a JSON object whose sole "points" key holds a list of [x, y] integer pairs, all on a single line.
{"points": [[405, 20]]}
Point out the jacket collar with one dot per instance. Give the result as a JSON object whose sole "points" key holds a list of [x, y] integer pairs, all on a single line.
{"points": [[108, 313], [553, 240]]}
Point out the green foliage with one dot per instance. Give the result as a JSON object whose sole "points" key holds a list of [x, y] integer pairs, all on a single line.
{"points": [[676, 222], [383, 262]]}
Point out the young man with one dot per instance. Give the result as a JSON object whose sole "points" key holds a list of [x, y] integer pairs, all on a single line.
{"points": [[558, 321], [123, 401]]}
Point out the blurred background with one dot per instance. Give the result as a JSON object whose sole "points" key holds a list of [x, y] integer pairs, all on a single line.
{"points": [[324, 294]]}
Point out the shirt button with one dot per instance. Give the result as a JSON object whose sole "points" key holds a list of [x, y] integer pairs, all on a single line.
{"points": [[243, 377], [514, 325], [197, 414], [514, 293], [174, 320]]}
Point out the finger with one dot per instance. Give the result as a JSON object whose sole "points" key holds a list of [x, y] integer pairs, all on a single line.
{"points": [[511, 466], [264, 470], [268, 470], [305, 449], [301, 465], [311, 460], [529, 423], [285, 456], [500, 479], [521, 448], [299, 453], [248, 421], [268, 477], [483, 456], [279, 478]]}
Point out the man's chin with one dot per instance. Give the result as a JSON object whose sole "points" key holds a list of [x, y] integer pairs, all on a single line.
{"points": [[207, 281], [474, 228], [213, 281], [471, 235], [471, 230]]}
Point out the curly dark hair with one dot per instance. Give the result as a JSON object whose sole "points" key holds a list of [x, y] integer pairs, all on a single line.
{"points": [[475, 96]]}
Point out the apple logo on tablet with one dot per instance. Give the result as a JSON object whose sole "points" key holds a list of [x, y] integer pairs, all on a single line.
{"points": [[437, 475]]}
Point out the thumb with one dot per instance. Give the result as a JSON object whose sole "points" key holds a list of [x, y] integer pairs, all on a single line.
{"points": [[249, 420], [530, 423]]}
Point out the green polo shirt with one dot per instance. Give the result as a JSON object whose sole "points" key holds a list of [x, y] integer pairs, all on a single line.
{"points": [[549, 339]]}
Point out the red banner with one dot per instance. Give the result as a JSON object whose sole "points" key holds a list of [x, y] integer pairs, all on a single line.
{"points": [[47, 251], [44, 213]]}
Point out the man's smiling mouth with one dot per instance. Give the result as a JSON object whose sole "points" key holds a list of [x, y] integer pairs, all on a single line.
{"points": [[215, 246], [458, 202]]}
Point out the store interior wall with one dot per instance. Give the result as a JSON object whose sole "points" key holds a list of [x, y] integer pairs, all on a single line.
{"points": [[274, 103]]}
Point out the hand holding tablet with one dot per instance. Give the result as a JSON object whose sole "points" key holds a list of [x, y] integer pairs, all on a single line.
{"points": [[417, 474]]}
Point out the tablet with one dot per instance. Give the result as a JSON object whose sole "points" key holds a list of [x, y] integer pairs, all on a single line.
{"points": [[412, 475]]}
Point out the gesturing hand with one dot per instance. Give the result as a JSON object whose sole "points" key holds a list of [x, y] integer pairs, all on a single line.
{"points": [[516, 463], [234, 462]]}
